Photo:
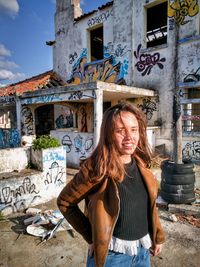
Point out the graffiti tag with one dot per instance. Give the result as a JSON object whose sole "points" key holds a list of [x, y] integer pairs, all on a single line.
{"points": [[147, 61], [180, 9]]}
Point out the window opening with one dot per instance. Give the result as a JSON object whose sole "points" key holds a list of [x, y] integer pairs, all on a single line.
{"points": [[96, 44], [191, 112], [157, 25]]}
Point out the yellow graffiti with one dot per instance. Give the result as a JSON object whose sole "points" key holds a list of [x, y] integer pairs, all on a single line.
{"points": [[103, 70], [180, 9]]}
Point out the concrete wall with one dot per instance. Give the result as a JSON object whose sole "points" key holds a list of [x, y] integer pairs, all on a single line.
{"points": [[77, 145], [14, 159], [26, 189], [161, 67], [18, 193]]}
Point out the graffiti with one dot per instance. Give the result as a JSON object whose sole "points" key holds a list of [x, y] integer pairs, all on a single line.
{"points": [[148, 107], [52, 156], [79, 94], [82, 146], [180, 9], [26, 121], [72, 57], [9, 138], [102, 70], [66, 141], [55, 174], [8, 195], [120, 51], [191, 117], [65, 119], [147, 61], [43, 99], [193, 77], [7, 99], [100, 18], [191, 151], [83, 120]]}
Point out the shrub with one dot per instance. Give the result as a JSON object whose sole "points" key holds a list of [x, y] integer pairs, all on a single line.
{"points": [[45, 141]]}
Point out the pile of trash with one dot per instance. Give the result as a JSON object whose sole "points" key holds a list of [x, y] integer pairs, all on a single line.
{"points": [[46, 223]]}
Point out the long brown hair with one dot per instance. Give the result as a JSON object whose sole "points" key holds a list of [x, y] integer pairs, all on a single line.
{"points": [[105, 158]]}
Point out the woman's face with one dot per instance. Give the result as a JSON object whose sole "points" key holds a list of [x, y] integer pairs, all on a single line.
{"points": [[126, 135]]}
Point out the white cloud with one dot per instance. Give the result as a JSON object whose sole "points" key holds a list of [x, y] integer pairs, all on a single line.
{"points": [[10, 7], [7, 64], [9, 75], [4, 51]]}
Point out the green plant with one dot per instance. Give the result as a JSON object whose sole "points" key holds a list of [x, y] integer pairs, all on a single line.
{"points": [[45, 141]]}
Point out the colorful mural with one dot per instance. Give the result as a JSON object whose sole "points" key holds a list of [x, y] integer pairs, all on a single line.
{"points": [[145, 62], [107, 70], [180, 9]]}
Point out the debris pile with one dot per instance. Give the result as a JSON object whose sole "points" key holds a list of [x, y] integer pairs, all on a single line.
{"points": [[46, 223]]}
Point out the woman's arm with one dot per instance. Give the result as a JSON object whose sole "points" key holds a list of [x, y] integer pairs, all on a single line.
{"points": [[75, 191]]}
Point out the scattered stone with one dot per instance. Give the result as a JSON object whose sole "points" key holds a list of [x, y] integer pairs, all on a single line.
{"points": [[173, 218]]}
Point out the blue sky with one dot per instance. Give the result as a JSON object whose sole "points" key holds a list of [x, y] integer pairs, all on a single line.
{"points": [[26, 25]]}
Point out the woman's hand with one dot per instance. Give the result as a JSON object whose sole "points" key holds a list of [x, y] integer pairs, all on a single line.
{"points": [[155, 250], [90, 249]]}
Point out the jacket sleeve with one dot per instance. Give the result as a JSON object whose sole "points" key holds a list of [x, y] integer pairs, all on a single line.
{"points": [[75, 191]]}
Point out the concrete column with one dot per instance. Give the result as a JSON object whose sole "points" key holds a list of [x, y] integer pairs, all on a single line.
{"points": [[98, 115], [18, 113]]}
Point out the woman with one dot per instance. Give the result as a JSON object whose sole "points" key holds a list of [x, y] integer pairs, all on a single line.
{"points": [[120, 222]]}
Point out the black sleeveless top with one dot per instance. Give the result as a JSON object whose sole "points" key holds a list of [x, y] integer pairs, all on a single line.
{"points": [[132, 223]]}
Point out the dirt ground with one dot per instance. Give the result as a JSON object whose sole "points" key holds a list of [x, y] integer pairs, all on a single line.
{"points": [[18, 249]]}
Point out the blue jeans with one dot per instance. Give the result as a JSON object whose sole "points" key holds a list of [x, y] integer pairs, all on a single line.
{"points": [[117, 259]]}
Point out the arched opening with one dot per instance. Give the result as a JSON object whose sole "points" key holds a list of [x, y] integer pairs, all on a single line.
{"points": [[44, 119]]}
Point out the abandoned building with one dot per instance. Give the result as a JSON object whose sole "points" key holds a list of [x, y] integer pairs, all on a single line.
{"points": [[144, 52]]}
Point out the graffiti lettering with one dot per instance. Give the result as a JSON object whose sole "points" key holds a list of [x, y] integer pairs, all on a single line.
{"points": [[148, 107], [101, 18], [7, 99], [180, 9], [53, 156], [8, 195], [147, 61], [191, 151], [120, 51]]}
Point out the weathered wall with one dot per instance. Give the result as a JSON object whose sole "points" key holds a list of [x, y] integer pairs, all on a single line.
{"points": [[77, 145], [22, 190], [73, 63], [9, 138], [14, 159]]}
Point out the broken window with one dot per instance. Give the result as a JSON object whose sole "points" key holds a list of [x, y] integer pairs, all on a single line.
{"points": [[191, 112], [96, 43], [157, 25]]}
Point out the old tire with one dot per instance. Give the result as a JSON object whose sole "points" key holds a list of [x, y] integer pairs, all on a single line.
{"points": [[178, 179], [172, 167], [177, 189], [178, 198]]}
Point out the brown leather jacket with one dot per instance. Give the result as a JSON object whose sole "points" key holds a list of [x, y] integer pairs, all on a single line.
{"points": [[102, 209]]}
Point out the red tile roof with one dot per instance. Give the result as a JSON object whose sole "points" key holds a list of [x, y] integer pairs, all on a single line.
{"points": [[44, 80]]}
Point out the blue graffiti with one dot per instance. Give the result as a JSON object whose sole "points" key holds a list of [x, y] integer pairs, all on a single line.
{"points": [[9, 138], [53, 156]]}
